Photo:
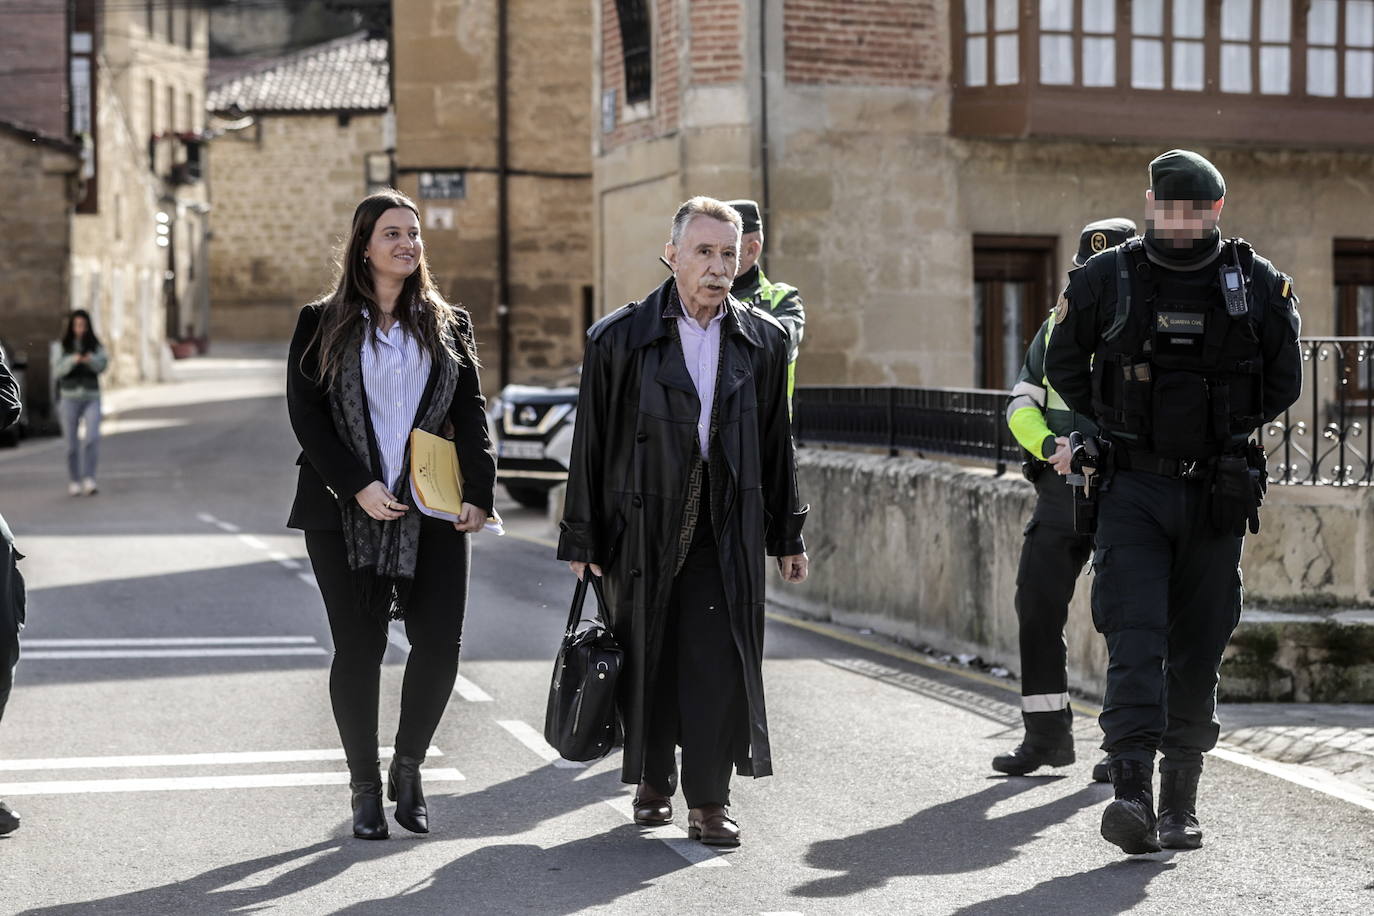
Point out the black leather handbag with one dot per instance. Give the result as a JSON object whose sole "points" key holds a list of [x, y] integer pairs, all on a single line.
{"points": [[581, 721]]}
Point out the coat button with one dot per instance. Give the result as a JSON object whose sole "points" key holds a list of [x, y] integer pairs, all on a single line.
{"points": [[638, 502], [635, 573], [641, 437]]}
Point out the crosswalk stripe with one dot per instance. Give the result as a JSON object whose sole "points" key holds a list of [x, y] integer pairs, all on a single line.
{"points": [[207, 652], [535, 742], [223, 758], [672, 836], [197, 783], [141, 641]]}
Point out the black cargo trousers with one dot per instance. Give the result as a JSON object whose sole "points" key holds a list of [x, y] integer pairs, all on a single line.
{"points": [[1166, 594], [11, 612], [1052, 557]]}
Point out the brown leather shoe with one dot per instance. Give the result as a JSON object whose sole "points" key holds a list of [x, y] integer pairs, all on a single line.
{"points": [[652, 807], [713, 826]]}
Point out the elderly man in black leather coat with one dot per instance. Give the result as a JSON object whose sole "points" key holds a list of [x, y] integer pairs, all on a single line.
{"points": [[682, 478], [11, 585]]}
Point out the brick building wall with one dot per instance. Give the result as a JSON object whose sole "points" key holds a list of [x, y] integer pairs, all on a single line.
{"points": [[286, 189], [865, 42], [658, 116], [446, 119], [717, 31], [33, 58]]}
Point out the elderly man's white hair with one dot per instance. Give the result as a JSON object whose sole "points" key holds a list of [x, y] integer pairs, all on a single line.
{"points": [[704, 206]]}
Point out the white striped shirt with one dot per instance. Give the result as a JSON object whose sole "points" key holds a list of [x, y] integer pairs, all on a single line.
{"points": [[395, 373]]}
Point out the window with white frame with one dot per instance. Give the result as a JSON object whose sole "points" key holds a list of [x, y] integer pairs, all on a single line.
{"points": [[1340, 48], [992, 42]]}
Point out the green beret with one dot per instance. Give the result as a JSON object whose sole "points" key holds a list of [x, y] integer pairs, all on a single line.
{"points": [[1101, 235], [1181, 174], [749, 212]]}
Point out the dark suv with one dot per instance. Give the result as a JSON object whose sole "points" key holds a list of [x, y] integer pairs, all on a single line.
{"points": [[532, 426]]}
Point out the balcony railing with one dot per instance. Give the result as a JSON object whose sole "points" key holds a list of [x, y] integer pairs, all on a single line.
{"points": [[1322, 440]]}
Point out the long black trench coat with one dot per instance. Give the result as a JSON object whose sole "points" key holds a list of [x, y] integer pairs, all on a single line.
{"points": [[633, 445]]}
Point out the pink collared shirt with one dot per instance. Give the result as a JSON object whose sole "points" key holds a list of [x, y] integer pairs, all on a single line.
{"points": [[701, 350]]}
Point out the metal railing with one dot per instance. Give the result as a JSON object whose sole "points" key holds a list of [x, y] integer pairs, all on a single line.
{"points": [[1322, 440], [955, 422]]}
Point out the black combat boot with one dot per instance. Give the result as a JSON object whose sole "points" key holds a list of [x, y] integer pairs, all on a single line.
{"points": [[1129, 821], [1027, 758], [1178, 825], [1101, 769]]}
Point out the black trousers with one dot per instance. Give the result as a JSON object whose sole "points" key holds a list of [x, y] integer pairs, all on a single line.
{"points": [[1167, 596], [699, 700], [11, 612], [1052, 557], [433, 624]]}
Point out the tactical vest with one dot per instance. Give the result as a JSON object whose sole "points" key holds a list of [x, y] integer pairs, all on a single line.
{"points": [[1176, 374]]}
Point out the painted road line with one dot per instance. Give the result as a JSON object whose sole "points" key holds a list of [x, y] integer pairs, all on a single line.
{"points": [[461, 685], [228, 758], [535, 742], [131, 641], [208, 652], [253, 542], [197, 783], [277, 556], [1306, 776], [672, 836], [308, 579]]}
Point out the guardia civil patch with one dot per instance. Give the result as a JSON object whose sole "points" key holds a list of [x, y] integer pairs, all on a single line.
{"points": [[1061, 310]]}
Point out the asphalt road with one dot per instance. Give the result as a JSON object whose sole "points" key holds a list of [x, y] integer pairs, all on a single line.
{"points": [[170, 746]]}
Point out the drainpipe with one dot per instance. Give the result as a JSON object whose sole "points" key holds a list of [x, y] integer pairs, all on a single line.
{"points": [[763, 115], [502, 191]]}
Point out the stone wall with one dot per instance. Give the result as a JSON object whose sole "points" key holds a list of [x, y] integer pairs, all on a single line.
{"points": [[927, 552], [446, 119], [285, 191]]}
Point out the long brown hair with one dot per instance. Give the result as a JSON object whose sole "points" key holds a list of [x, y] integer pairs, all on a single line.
{"points": [[442, 329]]}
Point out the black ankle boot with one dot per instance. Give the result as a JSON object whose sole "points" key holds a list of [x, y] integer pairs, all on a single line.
{"points": [[403, 787], [9, 819], [369, 821], [1178, 824], [1129, 821], [1027, 758]]}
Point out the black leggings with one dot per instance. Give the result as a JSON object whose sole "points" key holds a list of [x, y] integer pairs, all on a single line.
{"points": [[433, 624]]}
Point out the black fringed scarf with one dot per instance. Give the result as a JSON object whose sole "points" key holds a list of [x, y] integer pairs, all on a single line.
{"points": [[382, 555]]}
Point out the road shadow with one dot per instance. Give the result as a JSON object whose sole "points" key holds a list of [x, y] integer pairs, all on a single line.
{"points": [[1106, 891], [213, 892], [950, 838], [523, 878], [520, 804]]}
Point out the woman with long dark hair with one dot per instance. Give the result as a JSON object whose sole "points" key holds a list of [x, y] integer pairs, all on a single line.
{"points": [[381, 355], [78, 390]]}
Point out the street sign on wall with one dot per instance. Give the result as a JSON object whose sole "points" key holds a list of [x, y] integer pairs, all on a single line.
{"points": [[443, 185]]}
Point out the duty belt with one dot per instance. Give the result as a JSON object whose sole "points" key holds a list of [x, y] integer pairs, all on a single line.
{"points": [[1177, 468]]}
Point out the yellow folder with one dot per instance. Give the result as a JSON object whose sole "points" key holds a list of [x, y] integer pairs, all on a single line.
{"points": [[436, 480]]}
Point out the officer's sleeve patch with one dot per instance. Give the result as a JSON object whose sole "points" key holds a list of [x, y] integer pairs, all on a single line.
{"points": [[1061, 309]]}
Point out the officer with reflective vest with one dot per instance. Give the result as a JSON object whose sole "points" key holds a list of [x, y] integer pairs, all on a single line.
{"points": [[751, 287], [1180, 345], [1052, 553]]}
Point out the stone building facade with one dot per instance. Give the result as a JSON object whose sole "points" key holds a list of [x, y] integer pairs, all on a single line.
{"points": [[299, 140], [926, 166], [123, 84], [453, 157]]}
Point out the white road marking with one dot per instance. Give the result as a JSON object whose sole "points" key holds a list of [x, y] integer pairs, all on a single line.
{"points": [[278, 557], [227, 758], [309, 579], [209, 519], [209, 652], [461, 685], [197, 783], [671, 835], [1306, 776], [253, 542], [535, 742], [92, 643]]}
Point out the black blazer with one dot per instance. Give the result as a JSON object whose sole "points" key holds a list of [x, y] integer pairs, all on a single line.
{"points": [[327, 464]]}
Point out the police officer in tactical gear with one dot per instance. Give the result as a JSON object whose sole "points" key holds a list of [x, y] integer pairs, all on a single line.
{"points": [[1180, 345], [751, 287], [1052, 553]]}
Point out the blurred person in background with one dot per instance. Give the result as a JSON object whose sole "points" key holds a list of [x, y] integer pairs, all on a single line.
{"points": [[78, 390]]}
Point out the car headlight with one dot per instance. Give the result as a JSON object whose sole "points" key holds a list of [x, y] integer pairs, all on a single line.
{"points": [[560, 446]]}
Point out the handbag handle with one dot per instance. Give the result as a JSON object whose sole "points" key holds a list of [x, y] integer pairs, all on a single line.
{"points": [[580, 598]]}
